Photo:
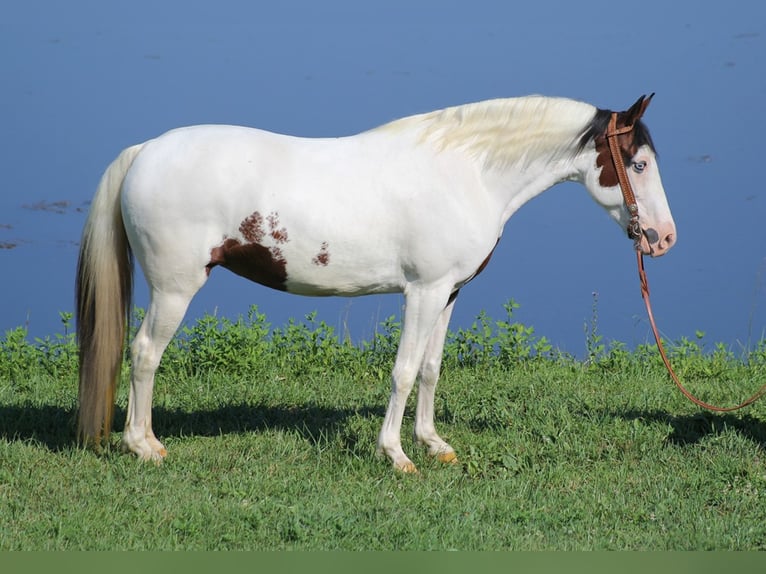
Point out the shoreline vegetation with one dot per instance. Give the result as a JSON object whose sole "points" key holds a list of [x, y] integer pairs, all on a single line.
{"points": [[213, 343], [271, 435]]}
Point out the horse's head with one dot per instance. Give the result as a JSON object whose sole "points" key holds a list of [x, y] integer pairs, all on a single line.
{"points": [[657, 230]]}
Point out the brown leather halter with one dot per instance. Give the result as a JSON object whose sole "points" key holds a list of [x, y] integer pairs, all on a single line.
{"points": [[634, 232]]}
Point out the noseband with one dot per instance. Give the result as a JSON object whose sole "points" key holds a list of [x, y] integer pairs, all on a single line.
{"points": [[634, 232]]}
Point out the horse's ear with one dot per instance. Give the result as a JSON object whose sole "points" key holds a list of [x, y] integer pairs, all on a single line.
{"points": [[637, 110]]}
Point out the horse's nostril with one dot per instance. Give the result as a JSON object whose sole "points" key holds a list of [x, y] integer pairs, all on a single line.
{"points": [[670, 239], [651, 235]]}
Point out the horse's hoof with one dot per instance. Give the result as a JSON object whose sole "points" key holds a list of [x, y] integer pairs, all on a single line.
{"points": [[159, 457], [447, 457], [145, 452], [407, 467]]}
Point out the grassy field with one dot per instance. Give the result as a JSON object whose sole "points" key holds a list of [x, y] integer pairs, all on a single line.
{"points": [[271, 435]]}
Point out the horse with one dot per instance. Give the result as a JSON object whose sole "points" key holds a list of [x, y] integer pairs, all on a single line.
{"points": [[415, 206]]}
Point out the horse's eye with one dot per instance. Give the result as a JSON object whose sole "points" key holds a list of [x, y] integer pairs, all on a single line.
{"points": [[639, 166]]}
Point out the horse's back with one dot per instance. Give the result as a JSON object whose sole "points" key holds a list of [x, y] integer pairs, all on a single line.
{"points": [[223, 163], [194, 193]]}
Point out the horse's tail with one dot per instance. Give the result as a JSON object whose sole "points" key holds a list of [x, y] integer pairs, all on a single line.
{"points": [[103, 291]]}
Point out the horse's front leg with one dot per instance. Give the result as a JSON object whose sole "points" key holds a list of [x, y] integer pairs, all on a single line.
{"points": [[422, 309], [425, 431]]}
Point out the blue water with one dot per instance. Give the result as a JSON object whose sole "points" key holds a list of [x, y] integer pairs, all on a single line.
{"points": [[83, 80]]}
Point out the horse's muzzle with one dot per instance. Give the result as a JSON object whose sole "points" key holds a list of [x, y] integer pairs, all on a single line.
{"points": [[657, 242]]}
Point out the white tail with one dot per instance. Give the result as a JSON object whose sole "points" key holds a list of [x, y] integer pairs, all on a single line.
{"points": [[103, 291]]}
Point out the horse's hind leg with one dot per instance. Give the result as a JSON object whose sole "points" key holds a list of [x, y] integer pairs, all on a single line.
{"points": [[164, 315]]}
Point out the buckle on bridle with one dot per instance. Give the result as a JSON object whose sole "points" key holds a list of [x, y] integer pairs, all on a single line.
{"points": [[634, 229]]}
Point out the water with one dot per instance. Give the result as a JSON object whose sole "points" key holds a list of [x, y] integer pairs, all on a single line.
{"points": [[83, 81]]}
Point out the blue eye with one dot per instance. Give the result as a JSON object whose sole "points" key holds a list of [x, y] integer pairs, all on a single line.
{"points": [[639, 166]]}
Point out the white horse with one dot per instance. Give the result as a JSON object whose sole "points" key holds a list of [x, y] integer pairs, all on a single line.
{"points": [[415, 206]]}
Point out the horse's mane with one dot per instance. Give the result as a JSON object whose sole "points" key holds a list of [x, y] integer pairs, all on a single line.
{"points": [[502, 132]]}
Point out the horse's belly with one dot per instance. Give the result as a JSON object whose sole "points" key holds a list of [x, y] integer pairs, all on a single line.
{"points": [[303, 268], [324, 280]]}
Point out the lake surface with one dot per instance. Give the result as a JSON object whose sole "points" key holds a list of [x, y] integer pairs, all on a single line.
{"points": [[82, 81]]}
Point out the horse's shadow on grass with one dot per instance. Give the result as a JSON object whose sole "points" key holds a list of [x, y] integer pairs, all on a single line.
{"points": [[47, 425], [314, 422], [54, 427], [693, 428]]}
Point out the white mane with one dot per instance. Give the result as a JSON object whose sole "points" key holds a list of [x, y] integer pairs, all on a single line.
{"points": [[503, 132]]}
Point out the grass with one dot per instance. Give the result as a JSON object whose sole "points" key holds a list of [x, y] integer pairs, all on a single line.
{"points": [[271, 434]]}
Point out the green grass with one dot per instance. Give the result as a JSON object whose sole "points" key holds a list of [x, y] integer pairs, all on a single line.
{"points": [[271, 434]]}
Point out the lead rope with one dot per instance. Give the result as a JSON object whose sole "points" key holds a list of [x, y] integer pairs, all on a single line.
{"points": [[661, 349], [634, 232]]}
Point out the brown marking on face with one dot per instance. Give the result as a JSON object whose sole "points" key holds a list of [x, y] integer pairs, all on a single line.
{"points": [[628, 142], [253, 260], [608, 176], [323, 257]]}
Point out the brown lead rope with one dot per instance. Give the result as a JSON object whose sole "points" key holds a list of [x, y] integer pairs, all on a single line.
{"points": [[634, 232], [661, 348]]}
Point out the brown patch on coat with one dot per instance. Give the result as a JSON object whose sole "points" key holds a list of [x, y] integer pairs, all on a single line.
{"points": [[251, 228], [486, 260], [482, 265], [279, 235], [323, 257], [253, 260]]}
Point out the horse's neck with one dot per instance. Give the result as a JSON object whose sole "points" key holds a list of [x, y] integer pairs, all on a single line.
{"points": [[513, 186], [522, 146]]}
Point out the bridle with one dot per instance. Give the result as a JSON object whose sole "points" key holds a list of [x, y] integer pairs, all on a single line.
{"points": [[635, 233], [634, 229]]}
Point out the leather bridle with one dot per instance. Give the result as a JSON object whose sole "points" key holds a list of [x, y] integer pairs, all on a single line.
{"points": [[634, 229], [635, 233]]}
